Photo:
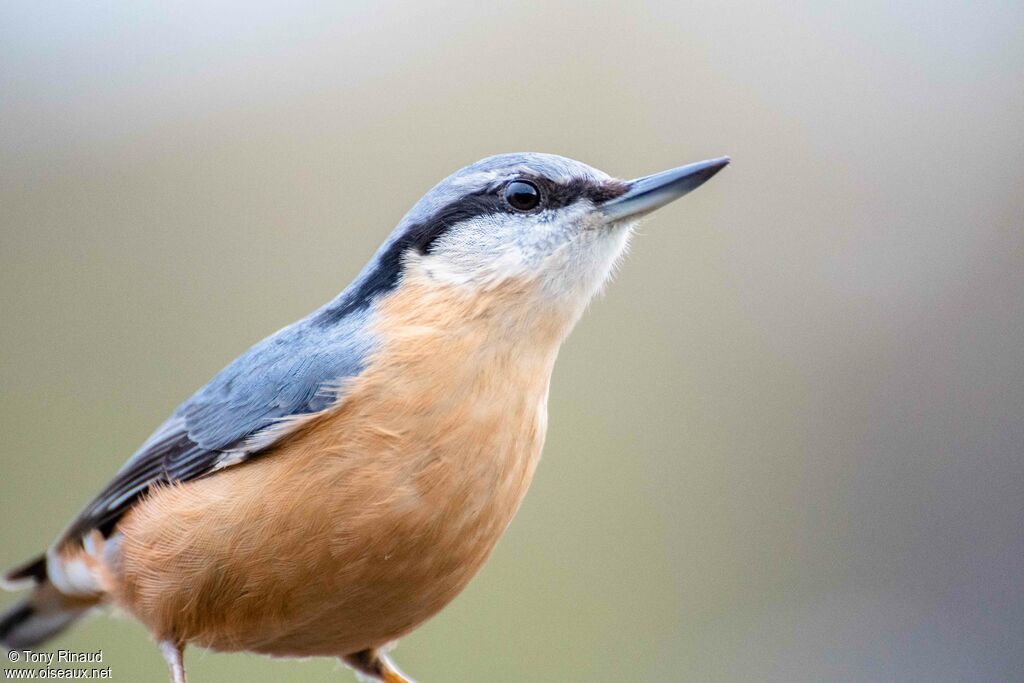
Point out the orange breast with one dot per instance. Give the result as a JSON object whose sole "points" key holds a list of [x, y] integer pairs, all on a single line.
{"points": [[369, 518]]}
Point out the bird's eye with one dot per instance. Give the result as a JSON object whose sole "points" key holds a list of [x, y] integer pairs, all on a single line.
{"points": [[522, 195]]}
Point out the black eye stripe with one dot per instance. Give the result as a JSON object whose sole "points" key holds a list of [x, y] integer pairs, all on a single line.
{"points": [[559, 195], [422, 235], [419, 236]]}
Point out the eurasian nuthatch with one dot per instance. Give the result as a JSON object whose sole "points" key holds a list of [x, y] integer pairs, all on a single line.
{"points": [[342, 480]]}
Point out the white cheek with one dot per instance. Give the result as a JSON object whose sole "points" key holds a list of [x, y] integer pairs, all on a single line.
{"points": [[569, 259], [480, 252]]}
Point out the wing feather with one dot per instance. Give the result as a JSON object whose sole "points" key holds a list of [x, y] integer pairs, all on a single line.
{"points": [[241, 412]]}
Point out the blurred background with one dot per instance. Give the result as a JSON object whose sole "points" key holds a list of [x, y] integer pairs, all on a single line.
{"points": [[787, 445]]}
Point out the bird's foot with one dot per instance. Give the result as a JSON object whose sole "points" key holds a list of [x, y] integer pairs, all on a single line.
{"points": [[174, 656], [377, 666]]}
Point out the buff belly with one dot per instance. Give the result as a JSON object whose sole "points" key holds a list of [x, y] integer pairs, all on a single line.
{"points": [[325, 546]]}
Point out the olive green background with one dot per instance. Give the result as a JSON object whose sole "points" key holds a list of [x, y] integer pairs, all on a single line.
{"points": [[786, 445]]}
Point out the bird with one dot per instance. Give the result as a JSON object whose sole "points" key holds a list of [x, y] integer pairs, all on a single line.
{"points": [[341, 481]]}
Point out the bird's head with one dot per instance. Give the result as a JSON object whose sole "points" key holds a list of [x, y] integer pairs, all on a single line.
{"points": [[536, 234]]}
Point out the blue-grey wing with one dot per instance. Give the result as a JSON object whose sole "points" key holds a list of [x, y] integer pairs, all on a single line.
{"points": [[238, 414]]}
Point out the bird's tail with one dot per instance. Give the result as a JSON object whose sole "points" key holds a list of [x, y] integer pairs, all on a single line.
{"points": [[43, 614]]}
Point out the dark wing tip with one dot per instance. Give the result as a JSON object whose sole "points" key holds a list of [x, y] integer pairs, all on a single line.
{"points": [[34, 569]]}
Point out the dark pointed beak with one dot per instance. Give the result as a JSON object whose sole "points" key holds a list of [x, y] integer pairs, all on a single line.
{"points": [[655, 191]]}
